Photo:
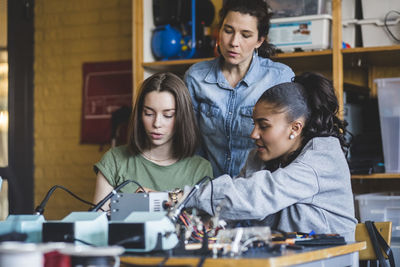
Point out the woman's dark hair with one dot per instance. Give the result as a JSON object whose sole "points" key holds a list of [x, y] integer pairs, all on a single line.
{"points": [[185, 140], [312, 97], [255, 8]]}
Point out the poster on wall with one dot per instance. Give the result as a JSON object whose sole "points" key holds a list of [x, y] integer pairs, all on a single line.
{"points": [[107, 87]]}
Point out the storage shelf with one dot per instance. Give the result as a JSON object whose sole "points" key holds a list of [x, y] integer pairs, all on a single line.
{"points": [[371, 56], [314, 58], [306, 61], [376, 176], [327, 52], [167, 64], [177, 66], [360, 56]]}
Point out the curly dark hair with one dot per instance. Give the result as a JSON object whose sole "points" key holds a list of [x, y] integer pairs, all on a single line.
{"points": [[310, 96], [255, 8], [324, 107]]}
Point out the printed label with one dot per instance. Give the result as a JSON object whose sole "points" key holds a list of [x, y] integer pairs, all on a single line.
{"points": [[288, 34]]}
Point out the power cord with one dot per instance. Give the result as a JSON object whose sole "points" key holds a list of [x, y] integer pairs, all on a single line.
{"points": [[211, 197], [387, 26], [135, 239], [40, 209], [114, 192], [70, 238]]}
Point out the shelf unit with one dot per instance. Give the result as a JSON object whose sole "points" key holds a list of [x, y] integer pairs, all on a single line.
{"points": [[381, 55], [360, 57], [313, 59], [359, 66], [144, 64], [376, 176]]}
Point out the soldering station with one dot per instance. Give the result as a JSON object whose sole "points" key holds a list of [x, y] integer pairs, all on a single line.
{"points": [[147, 223]]}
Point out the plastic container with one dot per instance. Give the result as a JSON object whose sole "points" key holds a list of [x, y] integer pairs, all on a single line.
{"points": [[395, 246], [380, 207], [374, 9], [389, 115], [349, 32], [305, 33], [375, 33], [296, 8], [348, 9]]}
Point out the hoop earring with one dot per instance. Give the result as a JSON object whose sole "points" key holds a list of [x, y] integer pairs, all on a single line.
{"points": [[291, 137], [217, 51]]}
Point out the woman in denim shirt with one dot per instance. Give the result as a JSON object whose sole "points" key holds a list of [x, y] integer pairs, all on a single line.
{"points": [[225, 90]]}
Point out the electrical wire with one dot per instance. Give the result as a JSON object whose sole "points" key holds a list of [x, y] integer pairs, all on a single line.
{"points": [[114, 192], [139, 185], [387, 26], [211, 197], [83, 242], [196, 235], [70, 238], [201, 261], [162, 263], [40, 209], [134, 239]]}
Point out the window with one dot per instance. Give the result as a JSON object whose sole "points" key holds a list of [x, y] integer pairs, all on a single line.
{"points": [[3, 85], [3, 109]]}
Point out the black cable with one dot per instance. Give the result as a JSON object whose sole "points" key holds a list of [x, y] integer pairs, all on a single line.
{"points": [[13, 236], [387, 26], [134, 239], [40, 209], [201, 261], [71, 239], [162, 263], [195, 188], [114, 192], [83, 242], [212, 194]]}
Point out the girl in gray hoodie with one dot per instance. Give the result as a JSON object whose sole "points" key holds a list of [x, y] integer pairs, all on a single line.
{"points": [[297, 179]]}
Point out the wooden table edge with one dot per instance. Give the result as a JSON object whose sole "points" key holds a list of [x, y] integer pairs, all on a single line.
{"points": [[285, 260]]}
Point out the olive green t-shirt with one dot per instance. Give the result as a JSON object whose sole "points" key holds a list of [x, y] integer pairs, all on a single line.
{"points": [[118, 164]]}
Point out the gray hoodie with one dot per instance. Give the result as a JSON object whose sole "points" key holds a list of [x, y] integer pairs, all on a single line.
{"points": [[312, 193]]}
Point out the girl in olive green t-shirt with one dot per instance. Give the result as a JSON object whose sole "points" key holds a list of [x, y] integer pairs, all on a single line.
{"points": [[162, 140]]}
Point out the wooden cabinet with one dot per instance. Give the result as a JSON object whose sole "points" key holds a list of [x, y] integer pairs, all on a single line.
{"points": [[359, 66]]}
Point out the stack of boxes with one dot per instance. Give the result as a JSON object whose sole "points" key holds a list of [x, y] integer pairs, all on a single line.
{"points": [[300, 25], [380, 207], [349, 23], [306, 24]]}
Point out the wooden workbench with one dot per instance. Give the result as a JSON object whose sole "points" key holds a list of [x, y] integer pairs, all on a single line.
{"points": [[335, 256]]}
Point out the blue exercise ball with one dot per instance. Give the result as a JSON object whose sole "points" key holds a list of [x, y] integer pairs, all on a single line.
{"points": [[166, 42]]}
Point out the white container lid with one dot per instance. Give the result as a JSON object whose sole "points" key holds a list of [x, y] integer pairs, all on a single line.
{"points": [[379, 22], [383, 81], [349, 22], [301, 18]]}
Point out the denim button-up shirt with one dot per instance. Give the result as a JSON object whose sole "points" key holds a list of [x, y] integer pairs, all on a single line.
{"points": [[224, 114]]}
